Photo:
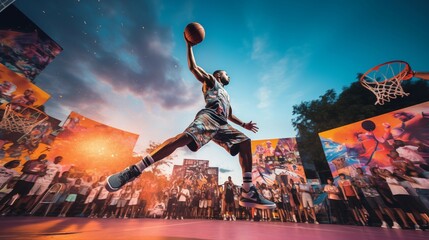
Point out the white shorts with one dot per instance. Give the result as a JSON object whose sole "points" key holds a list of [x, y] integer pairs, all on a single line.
{"points": [[89, 199], [203, 204], [133, 202], [307, 200], [114, 201], [38, 188]]}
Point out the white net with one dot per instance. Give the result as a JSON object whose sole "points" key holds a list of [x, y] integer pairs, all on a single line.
{"points": [[385, 80], [21, 119], [386, 90]]}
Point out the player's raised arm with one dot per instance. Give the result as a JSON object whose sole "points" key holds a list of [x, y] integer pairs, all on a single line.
{"points": [[198, 72]]}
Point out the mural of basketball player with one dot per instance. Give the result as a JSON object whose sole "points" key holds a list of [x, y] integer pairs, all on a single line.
{"points": [[269, 151], [259, 155], [211, 123], [26, 99]]}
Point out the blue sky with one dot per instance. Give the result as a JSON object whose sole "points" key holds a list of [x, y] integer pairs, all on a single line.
{"points": [[124, 62]]}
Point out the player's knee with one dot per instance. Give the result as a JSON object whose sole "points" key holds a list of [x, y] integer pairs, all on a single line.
{"points": [[245, 144]]}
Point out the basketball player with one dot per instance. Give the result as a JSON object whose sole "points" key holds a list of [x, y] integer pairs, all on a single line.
{"points": [[211, 123], [27, 98]]}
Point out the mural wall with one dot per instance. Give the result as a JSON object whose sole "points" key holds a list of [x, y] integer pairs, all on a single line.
{"points": [[382, 141], [276, 160], [24, 47]]}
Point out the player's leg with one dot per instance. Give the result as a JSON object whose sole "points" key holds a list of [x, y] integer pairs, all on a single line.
{"points": [[235, 142], [116, 181], [250, 196]]}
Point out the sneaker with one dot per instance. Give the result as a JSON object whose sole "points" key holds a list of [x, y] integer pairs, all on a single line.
{"points": [[417, 227], [316, 222], [116, 181], [181, 218], [166, 218], [234, 218], [384, 225], [396, 226], [252, 199]]}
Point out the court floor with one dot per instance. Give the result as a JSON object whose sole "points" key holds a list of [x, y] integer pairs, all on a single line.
{"points": [[158, 229]]}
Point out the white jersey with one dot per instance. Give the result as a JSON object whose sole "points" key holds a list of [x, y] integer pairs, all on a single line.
{"points": [[421, 183], [135, 198], [395, 187], [267, 193], [6, 174], [51, 170], [103, 194], [184, 194], [115, 197], [410, 152], [92, 194]]}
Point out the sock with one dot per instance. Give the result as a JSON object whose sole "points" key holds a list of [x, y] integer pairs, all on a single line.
{"points": [[247, 181], [144, 163]]}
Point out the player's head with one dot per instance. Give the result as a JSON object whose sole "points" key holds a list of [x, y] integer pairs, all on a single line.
{"points": [[58, 159], [374, 171], [222, 76], [393, 154], [28, 92], [359, 170]]}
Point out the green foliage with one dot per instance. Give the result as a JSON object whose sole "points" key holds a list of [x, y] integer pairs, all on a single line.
{"points": [[355, 103], [156, 168]]}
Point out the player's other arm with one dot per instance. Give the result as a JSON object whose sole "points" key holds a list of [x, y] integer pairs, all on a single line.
{"points": [[251, 126], [422, 75], [198, 72]]}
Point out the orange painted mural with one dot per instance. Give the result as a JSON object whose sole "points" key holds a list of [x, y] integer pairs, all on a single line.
{"points": [[380, 141], [17, 89], [92, 145]]}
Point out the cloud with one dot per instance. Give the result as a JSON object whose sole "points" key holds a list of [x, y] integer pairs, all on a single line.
{"points": [[121, 45], [70, 93], [259, 49], [224, 170], [279, 71]]}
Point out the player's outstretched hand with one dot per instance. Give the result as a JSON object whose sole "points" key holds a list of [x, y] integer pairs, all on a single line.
{"points": [[251, 126]]}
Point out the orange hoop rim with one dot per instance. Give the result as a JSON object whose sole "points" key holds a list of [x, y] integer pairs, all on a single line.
{"points": [[407, 69]]}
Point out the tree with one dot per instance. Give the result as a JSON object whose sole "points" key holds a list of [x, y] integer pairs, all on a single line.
{"points": [[330, 110], [156, 168], [153, 180]]}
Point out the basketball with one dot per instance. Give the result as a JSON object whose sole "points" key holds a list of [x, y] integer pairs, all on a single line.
{"points": [[194, 33]]}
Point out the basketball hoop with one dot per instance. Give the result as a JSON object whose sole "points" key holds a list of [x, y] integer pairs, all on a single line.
{"points": [[384, 80], [20, 118]]}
